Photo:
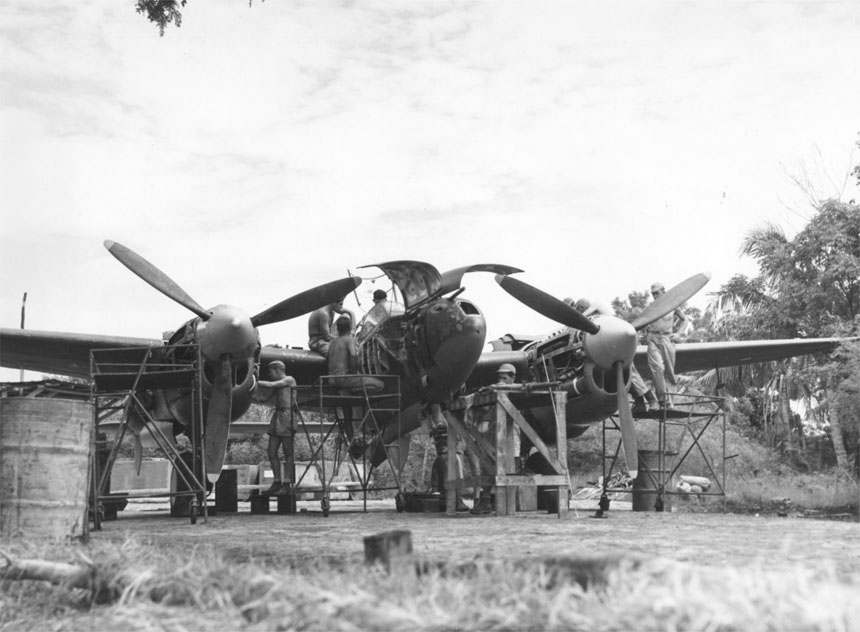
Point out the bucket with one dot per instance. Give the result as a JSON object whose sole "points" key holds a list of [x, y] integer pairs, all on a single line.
{"points": [[650, 477], [44, 467]]}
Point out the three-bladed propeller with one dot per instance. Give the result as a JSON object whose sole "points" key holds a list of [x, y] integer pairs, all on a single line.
{"points": [[564, 314], [225, 333]]}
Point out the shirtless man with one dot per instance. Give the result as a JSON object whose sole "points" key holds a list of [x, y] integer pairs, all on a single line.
{"points": [[343, 360], [319, 326], [281, 427]]}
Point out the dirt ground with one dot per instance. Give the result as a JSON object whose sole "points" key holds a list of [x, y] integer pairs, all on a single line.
{"points": [[709, 539]]}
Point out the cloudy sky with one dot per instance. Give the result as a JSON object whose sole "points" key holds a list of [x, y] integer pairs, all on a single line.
{"points": [[258, 151]]}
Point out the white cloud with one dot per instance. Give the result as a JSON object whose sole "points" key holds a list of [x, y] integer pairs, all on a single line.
{"points": [[255, 152]]}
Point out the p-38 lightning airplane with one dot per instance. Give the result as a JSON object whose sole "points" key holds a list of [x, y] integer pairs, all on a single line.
{"points": [[591, 358], [432, 346]]}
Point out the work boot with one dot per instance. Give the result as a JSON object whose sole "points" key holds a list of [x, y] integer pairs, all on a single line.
{"points": [[461, 506], [651, 398], [356, 448], [638, 405], [273, 489], [482, 507]]}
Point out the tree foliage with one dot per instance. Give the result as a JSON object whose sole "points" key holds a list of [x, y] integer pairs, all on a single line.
{"points": [[808, 286], [161, 12]]}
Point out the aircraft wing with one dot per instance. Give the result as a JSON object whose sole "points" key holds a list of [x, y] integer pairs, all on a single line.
{"points": [[702, 356], [304, 366], [59, 353]]}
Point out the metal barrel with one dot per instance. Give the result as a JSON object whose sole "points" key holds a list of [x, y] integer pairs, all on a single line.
{"points": [[45, 448], [649, 479]]}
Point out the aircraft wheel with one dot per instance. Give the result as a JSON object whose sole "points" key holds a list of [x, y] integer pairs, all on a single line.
{"points": [[325, 503], [193, 512], [399, 502], [658, 505]]}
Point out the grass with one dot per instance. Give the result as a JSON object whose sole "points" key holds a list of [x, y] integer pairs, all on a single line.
{"points": [[822, 492], [151, 587]]}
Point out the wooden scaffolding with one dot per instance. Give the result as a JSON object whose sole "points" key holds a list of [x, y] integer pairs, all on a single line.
{"points": [[498, 410]]}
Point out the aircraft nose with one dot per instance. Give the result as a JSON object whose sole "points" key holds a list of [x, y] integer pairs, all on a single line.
{"points": [[455, 341], [616, 341], [228, 330]]}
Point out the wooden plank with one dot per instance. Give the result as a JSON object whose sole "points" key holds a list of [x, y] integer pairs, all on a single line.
{"points": [[559, 403], [502, 453], [450, 491], [484, 451], [531, 434]]}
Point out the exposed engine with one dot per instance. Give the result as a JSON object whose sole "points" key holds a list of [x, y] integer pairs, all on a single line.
{"points": [[566, 357]]}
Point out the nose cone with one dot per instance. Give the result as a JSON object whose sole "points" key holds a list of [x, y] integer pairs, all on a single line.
{"points": [[616, 341], [228, 330], [455, 341]]}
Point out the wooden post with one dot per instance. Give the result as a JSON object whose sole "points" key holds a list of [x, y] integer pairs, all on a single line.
{"points": [[559, 400], [392, 549], [452, 474], [502, 457]]}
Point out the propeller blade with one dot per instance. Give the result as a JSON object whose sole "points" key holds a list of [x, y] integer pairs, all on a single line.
{"points": [[545, 304], [218, 420], [671, 300], [155, 277], [628, 431], [307, 301]]}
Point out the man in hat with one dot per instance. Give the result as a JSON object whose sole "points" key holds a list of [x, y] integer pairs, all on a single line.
{"points": [[281, 426], [506, 374], [377, 314], [661, 336]]}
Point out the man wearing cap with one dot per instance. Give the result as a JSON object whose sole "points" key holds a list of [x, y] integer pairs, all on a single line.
{"points": [[320, 326], [506, 374], [661, 337], [282, 425], [377, 314]]}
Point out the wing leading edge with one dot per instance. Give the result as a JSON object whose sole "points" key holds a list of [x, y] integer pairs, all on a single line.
{"points": [[59, 353], [702, 356]]}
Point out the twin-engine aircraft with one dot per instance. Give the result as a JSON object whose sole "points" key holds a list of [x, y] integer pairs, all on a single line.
{"points": [[592, 358], [432, 347]]}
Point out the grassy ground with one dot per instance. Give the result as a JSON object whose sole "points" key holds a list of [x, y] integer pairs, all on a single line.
{"points": [[161, 587]]}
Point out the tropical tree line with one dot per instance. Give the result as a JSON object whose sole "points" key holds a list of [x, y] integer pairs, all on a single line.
{"points": [[808, 286]]}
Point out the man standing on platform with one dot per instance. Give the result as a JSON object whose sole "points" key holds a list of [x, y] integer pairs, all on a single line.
{"points": [[282, 429], [661, 337]]}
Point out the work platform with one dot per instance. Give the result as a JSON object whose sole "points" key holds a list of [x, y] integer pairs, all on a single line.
{"points": [[688, 420], [120, 378], [361, 405], [487, 421]]}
